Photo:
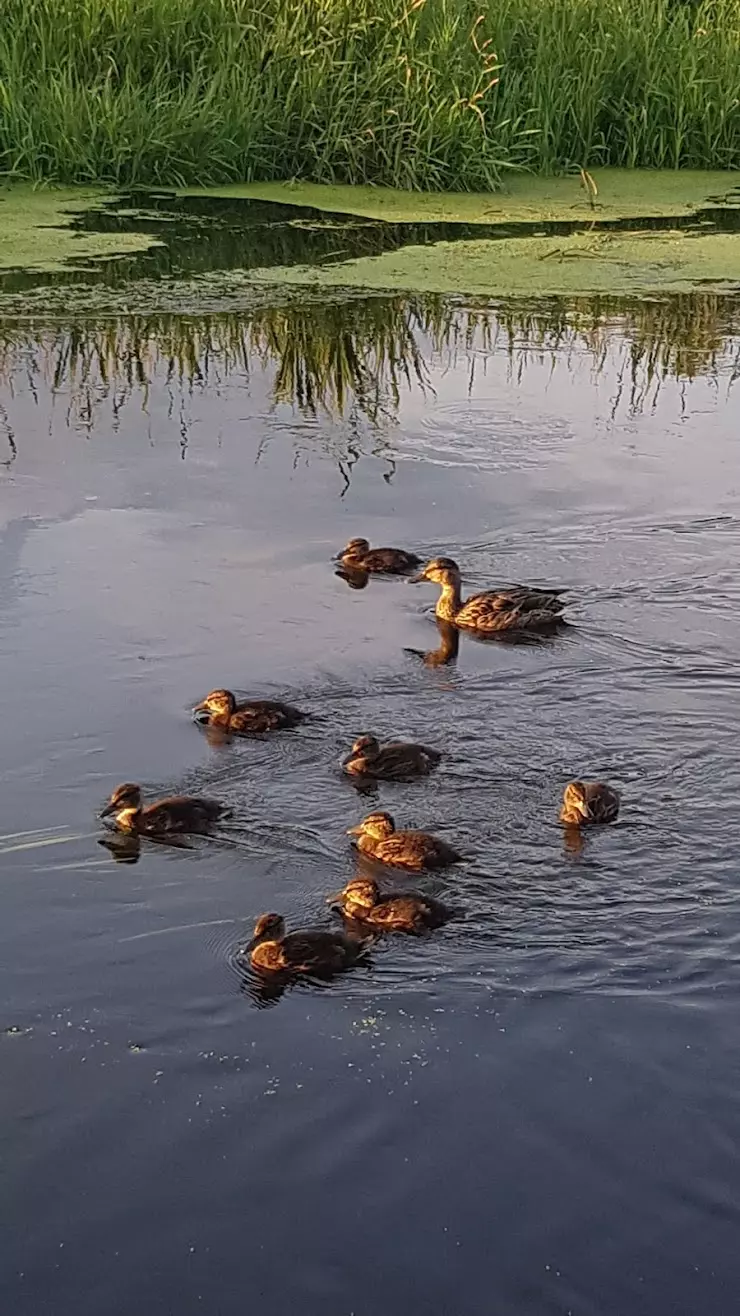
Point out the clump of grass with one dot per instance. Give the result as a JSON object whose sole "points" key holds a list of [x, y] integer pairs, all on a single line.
{"points": [[413, 93]]}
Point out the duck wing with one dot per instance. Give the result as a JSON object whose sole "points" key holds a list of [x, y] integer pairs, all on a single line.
{"points": [[311, 948], [182, 813], [603, 801], [392, 560], [402, 760], [259, 715]]}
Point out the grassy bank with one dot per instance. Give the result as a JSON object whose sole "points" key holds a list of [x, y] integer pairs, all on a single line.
{"points": [[433, 94]]}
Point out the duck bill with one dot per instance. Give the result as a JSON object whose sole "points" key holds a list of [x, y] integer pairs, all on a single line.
{"points": [[336, 898], [418, 579], [355, 831], [109, 809], [584, 810], [201, 712]]}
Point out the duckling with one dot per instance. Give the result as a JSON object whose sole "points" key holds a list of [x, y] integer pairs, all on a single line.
{"points": [[359, 556], [408, 911], [589, 802], [177, 813], [220, 709], [520, 607], [378, 838], [393, 762], [310, 950]]}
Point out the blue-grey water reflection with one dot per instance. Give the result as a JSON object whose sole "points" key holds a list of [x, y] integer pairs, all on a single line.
{"points": [[532, 1111]]}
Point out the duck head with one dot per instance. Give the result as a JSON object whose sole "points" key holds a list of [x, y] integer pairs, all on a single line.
{"points": [[440, 570], [377, 825], [269, 927], [361, 892], [126, 798], [354, 549], [218, 704], [574, 799]]}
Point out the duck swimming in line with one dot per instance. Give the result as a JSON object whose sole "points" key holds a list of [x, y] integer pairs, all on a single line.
{"points": [[251, 717], [359, 556], [378, 838], [177, 813], [392, 762], [408, 911], [309, 950], [520, 607], [589, 802]]}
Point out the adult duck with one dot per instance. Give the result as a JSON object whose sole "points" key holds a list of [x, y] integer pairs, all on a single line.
{"points": [[517, 608]]}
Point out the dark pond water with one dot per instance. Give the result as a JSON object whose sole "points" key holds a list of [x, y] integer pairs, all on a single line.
{"points": [[536, 1109]]}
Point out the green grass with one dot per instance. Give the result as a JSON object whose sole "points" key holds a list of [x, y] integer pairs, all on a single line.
{"points": [[421, 94]]}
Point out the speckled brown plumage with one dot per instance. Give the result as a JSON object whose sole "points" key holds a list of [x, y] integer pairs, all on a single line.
{"points": [[248, 718], [359, 556], [377, 837], [407, 911], [518, 607], [394, 761], [589, 802]]}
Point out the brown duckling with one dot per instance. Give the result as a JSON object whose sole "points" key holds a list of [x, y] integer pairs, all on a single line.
{"points": [[589, 802], [251, 717], [393, 762], [359, 556], [378, 838], [408, 911], [177, 813], [520, 607], [310, 950]]}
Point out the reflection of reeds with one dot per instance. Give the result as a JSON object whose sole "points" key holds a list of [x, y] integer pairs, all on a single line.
{"points": [[355, 356]]}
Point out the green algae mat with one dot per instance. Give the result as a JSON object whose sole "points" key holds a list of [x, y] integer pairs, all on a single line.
{"points": [[639, 231]]}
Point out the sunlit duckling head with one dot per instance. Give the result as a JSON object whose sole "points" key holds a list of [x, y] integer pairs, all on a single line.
{"points": [[269, 927], [440, 570], [368, 746], [377, 825], [219, 703], [125, 798], [355, 548], [361, 892], [574, 800]]}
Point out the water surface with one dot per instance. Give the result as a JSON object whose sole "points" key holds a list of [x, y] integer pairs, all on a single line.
{"points": [[533, 1111]]}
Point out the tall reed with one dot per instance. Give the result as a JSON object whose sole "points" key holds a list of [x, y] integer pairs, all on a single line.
{"points": [[415, 93]]}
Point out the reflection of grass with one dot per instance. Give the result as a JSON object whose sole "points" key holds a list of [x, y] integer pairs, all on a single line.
{"points": [[355, 357], [417, 93]]}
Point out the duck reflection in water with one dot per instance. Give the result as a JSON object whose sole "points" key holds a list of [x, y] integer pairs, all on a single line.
{"points": [[125, 847], [447, 649], [355, 578]]}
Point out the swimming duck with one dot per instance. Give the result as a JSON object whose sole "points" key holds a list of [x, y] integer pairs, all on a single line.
{"points": [[378, 838], [589, 802], [177, 813], [520, 607], [393, 762], [359, 556], [252, 716], [408, 911], [310, 950]]}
